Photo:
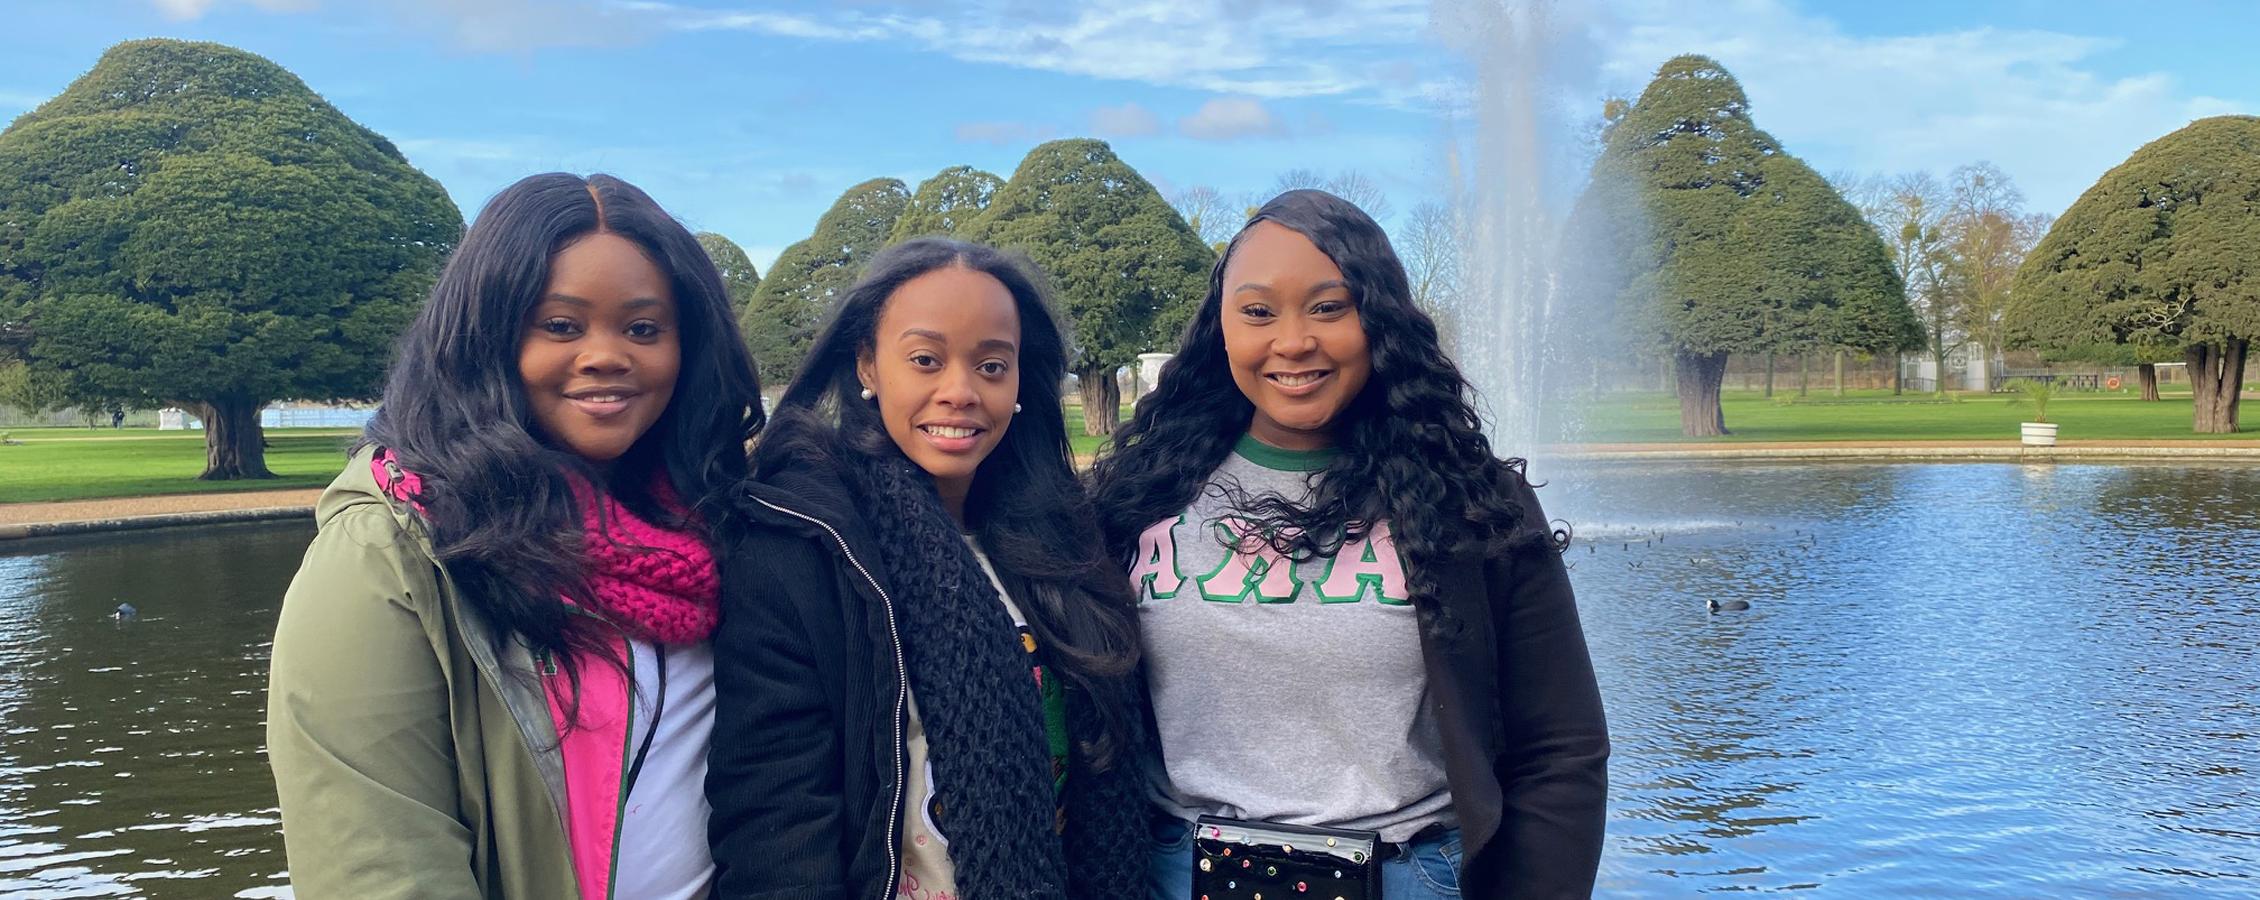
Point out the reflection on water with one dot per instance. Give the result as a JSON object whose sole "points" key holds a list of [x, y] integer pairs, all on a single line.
{"points": [[1954, 680], [131, 758]]}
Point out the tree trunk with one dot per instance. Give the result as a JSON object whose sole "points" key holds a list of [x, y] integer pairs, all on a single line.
{"points": [[1102, 399], [1898, 375], [2216, 378], [1699, 375], [1769, 374], [2147, 374], [1938, 361], [1840, 373], [234, 444], [1804, 373]]}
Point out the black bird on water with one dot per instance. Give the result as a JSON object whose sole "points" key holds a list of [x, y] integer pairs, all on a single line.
{"points": [[1727, 606], [125, 613]]}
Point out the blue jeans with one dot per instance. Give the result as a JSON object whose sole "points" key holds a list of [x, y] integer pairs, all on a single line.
{"points": [[1429, 870]]}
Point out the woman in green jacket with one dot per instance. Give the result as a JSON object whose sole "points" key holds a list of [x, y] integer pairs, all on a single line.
{"points": [[493, 674]]}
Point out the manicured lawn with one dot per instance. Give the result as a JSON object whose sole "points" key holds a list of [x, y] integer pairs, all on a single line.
{"points": [[104, 433], [1653, 417], [79, 463], [1879, 416], [85, 464], [1086, 445]]}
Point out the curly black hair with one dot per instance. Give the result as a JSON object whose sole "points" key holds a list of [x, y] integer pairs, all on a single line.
{"points": [[1412, 450]]}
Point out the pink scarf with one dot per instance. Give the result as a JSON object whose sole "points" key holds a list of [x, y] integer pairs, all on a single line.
{"points": [[658, 584]]}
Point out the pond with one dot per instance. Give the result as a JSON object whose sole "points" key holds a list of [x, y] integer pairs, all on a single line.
{"points": [[1952, 680], [131, 754]]}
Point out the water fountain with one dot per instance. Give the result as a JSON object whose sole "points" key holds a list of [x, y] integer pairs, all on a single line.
{"points": [[1513, 174]]}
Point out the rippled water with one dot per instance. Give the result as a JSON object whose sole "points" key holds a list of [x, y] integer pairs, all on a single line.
{"points": [[130, 754], [1954, 680]]}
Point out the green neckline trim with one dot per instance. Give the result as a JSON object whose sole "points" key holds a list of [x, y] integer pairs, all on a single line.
{"points": [[1280, 459]]}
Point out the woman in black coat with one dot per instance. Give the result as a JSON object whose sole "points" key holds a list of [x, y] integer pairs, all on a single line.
{"points": [[1307, 493], [924, 672]]}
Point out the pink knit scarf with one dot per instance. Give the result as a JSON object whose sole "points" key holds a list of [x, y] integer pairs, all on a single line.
{"points": [[658, 584]]}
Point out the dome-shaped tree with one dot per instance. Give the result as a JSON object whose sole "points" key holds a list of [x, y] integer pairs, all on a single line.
{"points": [[190, 224], [1700, 236], [791, 303], [1125, 269], [2159, 253]]}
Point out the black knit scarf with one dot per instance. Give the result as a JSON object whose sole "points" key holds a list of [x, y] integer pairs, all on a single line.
{"points": [[983, 718]]}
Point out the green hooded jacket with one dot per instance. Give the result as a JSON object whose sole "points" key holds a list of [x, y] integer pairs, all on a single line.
{"points": [[403, 745]]}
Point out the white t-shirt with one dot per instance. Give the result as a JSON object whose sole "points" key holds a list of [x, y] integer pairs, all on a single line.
{"points": [[663, 851]]}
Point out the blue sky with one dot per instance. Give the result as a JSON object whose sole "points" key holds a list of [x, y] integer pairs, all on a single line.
{"points": [[748, 118]]}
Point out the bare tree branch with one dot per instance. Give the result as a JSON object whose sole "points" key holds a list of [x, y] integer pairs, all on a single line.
{"points": [[1212, 217], [1430, 248]]}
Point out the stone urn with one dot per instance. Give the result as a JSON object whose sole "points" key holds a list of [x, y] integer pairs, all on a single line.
{"points": [[1149, 371], [2040, 434]]}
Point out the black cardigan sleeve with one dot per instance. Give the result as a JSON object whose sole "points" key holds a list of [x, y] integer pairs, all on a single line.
{"points": [[773, 774], [1553, 771]]}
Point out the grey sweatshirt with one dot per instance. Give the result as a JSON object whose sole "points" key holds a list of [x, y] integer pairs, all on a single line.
{"points": [[1286, 693]]}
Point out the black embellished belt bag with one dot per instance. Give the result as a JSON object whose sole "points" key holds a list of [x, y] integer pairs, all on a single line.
{"points": [[1240, 860]]}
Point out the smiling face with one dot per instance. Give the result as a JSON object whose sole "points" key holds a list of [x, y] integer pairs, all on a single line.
{"points": [[945, 364], [600, 351], [1292, 337]]}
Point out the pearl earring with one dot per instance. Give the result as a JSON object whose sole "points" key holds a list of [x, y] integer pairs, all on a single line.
{"points": [[1016, 407], [867, 394]]}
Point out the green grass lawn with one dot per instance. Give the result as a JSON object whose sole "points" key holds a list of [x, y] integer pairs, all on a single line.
{"points": [[1879, 416], [80, 463], [1085, 445], [86, 464]]}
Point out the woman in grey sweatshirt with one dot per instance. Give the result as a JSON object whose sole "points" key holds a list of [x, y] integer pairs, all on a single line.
{"points": [[1354, 615]]}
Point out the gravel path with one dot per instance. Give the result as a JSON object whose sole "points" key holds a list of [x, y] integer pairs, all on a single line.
{"points": [[121, 507]]}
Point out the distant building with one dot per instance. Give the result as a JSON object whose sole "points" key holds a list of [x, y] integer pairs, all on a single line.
{"points": [[281, 415], [1969, 367]]}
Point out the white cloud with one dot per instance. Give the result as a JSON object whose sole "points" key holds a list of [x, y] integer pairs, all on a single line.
{"points": [[462, 149], [1127, 120], [2035, 102], [1000, 133], [477, 25], [1259, 48], [520, 25], [1230, 118], [2032, 101], [189, 10], [770, 23], [182, 10]]}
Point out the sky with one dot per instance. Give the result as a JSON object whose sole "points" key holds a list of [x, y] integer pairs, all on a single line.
{"points": [[749, 118]]}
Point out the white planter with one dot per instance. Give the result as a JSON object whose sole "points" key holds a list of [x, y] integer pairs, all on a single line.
{"points": [[2040, 434]]}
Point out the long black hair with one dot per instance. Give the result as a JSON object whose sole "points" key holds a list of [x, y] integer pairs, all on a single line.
{"points": [[500, 508], [1412, 451], [1024, 506]]}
